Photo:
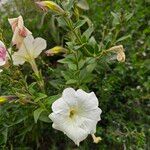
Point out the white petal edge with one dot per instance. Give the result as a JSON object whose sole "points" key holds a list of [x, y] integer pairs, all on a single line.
{"points": [[38, 46]]}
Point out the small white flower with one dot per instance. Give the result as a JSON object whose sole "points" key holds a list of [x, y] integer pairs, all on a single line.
{"points": [[76, 114], [29, 50]]}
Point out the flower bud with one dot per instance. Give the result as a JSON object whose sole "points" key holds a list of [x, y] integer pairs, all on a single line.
{"points": [[2, 99], [55, 50], [45, 5]]}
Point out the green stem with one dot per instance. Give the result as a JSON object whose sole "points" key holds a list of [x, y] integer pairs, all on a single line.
{"points": [[38, 75], [70, 25]]}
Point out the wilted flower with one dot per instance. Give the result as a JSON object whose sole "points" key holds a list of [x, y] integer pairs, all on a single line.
{"points": [[119, 50], [29, 50], [76, 114], [121, 56], [19, 30], [45, 5], [55, 50], [96, 139], [3, 53]]}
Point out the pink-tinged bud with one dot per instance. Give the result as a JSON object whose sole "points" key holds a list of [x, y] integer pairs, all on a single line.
{"points": [[3, 52], [19, 30], [45, 5], [55, 50]]}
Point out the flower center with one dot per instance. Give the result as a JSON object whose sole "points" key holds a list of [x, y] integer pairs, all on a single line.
{"points": [[72, 113]]}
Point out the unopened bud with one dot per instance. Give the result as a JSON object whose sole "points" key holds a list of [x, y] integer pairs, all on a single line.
{"points": [[3, 99], [55, 50], [45, 5]]}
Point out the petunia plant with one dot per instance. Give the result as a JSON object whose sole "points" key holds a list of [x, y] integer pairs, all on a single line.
{"points": [[71, 106]]}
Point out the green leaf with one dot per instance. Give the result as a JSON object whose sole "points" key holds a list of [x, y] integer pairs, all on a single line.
{"points": [[123, 38], [72, 66], [88, 32], [44, 117], [79, 24], [85, 77], [52, 99], [83, 4], [68, 4], [69, 59], [92, 41], [128, 16], [37, 113], [5, 134], [81, 63], [91, 67], [40, 96], [71, 81], [116, 19]]}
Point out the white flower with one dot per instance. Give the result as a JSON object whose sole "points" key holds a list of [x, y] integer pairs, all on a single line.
{"points": [[29, 50], [76, 114], [19, 30]]}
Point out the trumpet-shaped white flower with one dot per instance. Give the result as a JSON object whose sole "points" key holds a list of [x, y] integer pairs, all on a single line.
{"points": [[76, 114], [19, 30], [29, 50], [3, 53]]}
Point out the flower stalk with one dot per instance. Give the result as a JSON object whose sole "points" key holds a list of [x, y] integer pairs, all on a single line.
{"points": [[38, 74], [70, 25]]}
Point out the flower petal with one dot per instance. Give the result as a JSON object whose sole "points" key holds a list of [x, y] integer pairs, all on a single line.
{"points": [[69, 128], [69, 96], [75, 133], [86, 124], [2, 44], [60, 106], [17, 39], [20, 22], [2, 62], [13, 22], [27, 44], [18, 59], [39, 46], [87, 101], [20, 31]]}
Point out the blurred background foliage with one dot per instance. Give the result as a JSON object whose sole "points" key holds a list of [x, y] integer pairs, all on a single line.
{"points": [[123, 89]]}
